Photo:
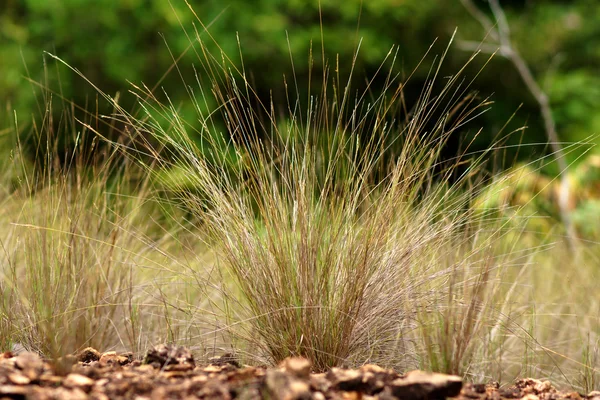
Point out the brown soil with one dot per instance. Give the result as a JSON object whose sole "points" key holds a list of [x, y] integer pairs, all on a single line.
{"points": [[169, 372]]}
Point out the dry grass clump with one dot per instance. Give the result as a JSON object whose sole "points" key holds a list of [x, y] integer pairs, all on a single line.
{"points": [[339, 225], [77, 250]]}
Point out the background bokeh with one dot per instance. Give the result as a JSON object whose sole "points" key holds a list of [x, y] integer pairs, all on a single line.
{"points": [[116, 42]]}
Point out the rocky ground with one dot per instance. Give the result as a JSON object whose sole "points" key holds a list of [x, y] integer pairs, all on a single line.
{"points": [[169, 372]]}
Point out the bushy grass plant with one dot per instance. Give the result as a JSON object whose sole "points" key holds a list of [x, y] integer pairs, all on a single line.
{"points": [[337, 230], [78, 255], [340, 225]]}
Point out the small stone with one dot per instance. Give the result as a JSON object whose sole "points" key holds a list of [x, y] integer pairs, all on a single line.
{"points": [[78, 381], [297, 366], [493, 385], [593, 393], [28, 360], [542, 387], [354, 396], [178, 367], [213, 369], [167, 355], [346, 380], [48, 379], [101, 382], [211, 390], [511, 393], [18, 379], [88, 354], [145, 369], [530, 396], [13, 391], [30, 364], [376, 369], [225, 359], [112, 358], [286, 387], [108, 358], [319, 382], [318, 396], [173, 375], [298, 390], [199, 379], [66, 394], [534, 386], [126, 358], [419, 385]]}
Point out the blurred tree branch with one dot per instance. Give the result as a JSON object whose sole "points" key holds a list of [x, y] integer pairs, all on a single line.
{"points": [[499, 32]]}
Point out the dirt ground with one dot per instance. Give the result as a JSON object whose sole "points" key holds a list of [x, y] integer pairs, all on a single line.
{"points": [[169, 372]]}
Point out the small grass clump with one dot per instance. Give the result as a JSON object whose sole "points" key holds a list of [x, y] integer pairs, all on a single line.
{"points": [[75, 248]]}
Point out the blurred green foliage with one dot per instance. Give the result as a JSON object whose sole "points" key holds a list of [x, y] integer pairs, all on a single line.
{"points": [[522, 193], [113, 42]]}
